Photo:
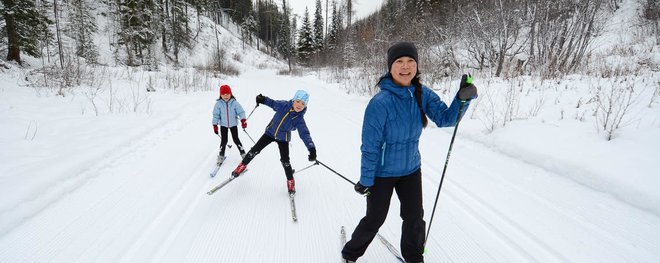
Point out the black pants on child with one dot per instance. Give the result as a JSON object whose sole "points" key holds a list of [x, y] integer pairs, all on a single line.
{"points": [[234, 136], [409, 190], [264, 141]]}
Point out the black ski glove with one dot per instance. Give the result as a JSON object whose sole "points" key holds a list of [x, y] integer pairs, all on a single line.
{"points": [[260, 99], [361, 189], [467, 90], [312, 155]]}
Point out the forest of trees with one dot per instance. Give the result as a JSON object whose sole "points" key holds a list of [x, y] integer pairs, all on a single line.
{"points": [[505, 37]]}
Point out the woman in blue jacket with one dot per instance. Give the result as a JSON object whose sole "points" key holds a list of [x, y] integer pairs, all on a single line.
{"points": [[393, 123], [289, 116], [225, 113]]}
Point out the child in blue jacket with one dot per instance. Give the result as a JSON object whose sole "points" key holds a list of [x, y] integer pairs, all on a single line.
{"points": [[225, 113], [289, 116]]}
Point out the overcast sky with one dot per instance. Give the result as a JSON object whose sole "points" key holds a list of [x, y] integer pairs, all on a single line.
{"points": [[362, 8]]}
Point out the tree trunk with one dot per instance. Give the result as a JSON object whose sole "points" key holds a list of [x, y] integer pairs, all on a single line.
{"points": [[13, 40], [59, 39], [164, 18]]}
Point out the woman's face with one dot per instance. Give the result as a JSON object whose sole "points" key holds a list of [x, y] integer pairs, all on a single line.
{"points": [[403, 70], [225, 96], [298, 105]]}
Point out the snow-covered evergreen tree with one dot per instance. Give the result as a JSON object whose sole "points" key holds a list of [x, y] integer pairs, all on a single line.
{"points": [[318, 28], [25, 27], [81, 28], [305, 40], [181, 34], [331, 38], [248, 26], [137, 35], [284, 35]]}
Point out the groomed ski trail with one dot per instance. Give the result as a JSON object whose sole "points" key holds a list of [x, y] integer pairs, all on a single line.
{"points": [[141, 207]]}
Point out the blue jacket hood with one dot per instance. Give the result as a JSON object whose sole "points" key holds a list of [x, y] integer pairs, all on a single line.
{"points": [[388, 84]]}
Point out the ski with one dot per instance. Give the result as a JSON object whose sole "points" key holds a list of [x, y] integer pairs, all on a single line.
{"points": [[219, 163], [342, 238], [293, 207], [225, 182], [342, 235], [391, 248], [217, 168]]}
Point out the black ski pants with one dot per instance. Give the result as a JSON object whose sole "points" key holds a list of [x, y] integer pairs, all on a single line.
{"points": [[224, 139], [264, 141], [409, 190]]}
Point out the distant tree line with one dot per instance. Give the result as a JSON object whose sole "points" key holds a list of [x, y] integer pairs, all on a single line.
{"points": [[502, 36]]}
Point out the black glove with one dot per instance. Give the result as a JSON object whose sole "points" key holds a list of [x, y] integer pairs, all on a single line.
{"points": [[260, 99], [467, 90], [312, 155], [361, 189]]}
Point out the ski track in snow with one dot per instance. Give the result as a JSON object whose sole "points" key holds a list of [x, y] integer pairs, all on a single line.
{"points": [[484, 214], [541, 203], [49, 194]]}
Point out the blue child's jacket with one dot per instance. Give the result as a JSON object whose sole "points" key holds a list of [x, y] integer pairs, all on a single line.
{"points": [[287, 120], [225, 113]]}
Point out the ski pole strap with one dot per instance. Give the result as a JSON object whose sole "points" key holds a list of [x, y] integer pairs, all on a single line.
{"points": [[335, 172], [315, 163]]}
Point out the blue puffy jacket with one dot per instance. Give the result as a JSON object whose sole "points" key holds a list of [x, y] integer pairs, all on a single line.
{"points": [[287, 120], [392, 126], [225, 113]]}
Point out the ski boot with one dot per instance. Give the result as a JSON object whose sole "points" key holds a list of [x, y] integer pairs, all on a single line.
{"points": [[221, 159], [242, 154], [291, 186], [239, 170]]}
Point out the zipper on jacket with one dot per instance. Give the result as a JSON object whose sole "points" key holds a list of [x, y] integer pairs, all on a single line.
{"points": [[279, 125], [382, 156], [227, 104]]}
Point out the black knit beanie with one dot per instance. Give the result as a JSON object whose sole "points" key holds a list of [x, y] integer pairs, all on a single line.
{"points": [[398, 50]]}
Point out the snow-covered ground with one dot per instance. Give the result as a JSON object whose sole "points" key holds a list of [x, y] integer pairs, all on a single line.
{"points": [[129, 185]]}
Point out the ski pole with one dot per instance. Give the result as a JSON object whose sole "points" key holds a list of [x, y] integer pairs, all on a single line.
{"points": [[444, 170], [228, 145], [315, 163], [249, 136], [335, 172], [255, 107]]}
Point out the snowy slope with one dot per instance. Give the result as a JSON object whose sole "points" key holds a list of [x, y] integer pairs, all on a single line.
{"points": [[130, 184], [134, 190]]}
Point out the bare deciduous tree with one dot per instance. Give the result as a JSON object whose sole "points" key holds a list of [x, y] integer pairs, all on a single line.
{"points": [[613, 103]]}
